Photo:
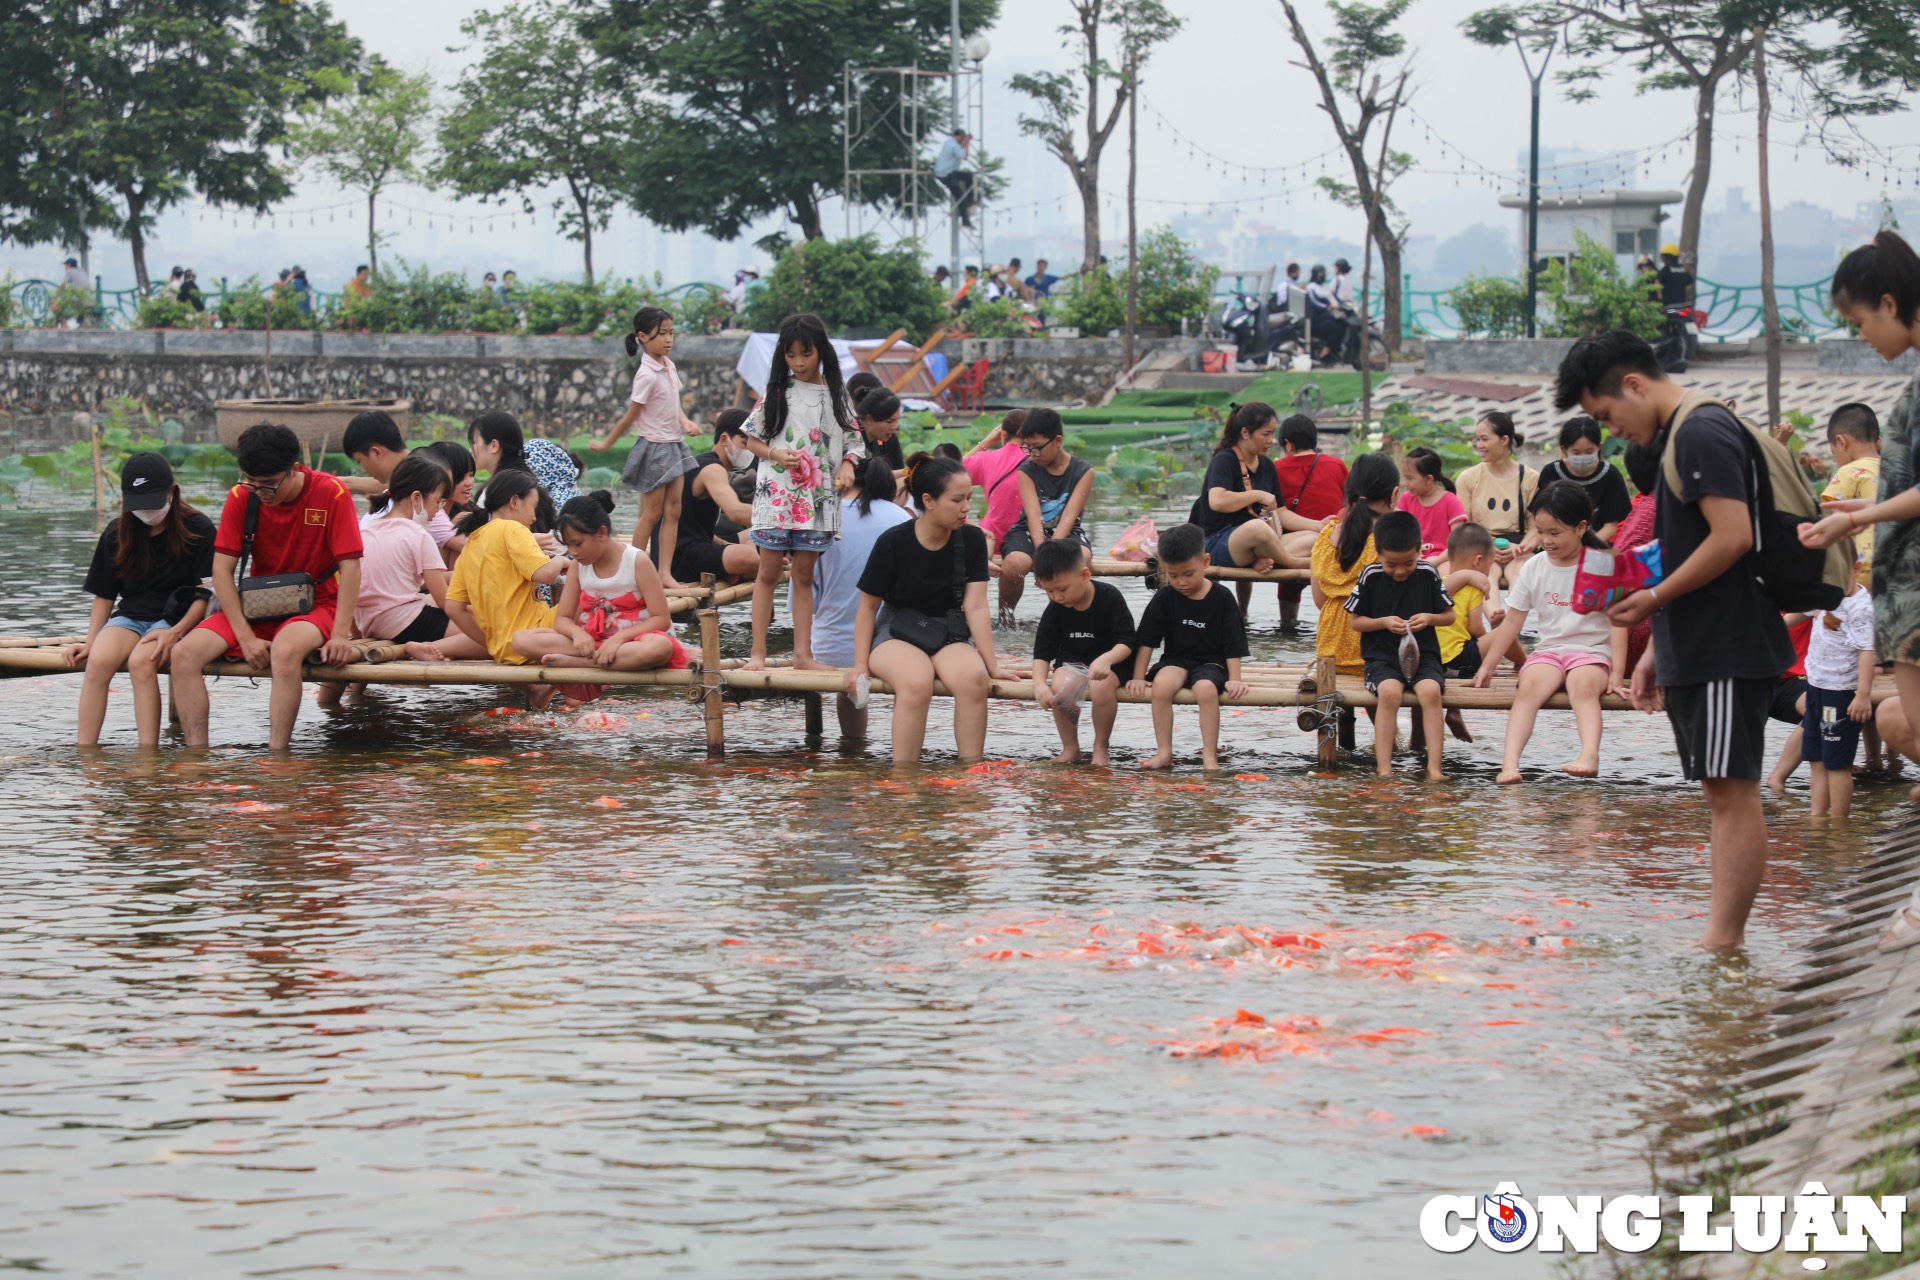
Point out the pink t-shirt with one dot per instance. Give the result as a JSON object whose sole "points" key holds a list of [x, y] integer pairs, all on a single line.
{"points": [[1003, 500], [393, 570], [1436, 521], [656, 389]]}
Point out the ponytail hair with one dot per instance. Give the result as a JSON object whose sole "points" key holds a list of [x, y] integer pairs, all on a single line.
{"points": [[586, 514], [876, 404], [504, 487], [646, 323], [1373, 479], [809, 331], [1242, 421], [1429, 464], [1502, 424], [929, 480], [1567, 502], [497, 426], [1886, 268], [876, 484], [422, 473]]}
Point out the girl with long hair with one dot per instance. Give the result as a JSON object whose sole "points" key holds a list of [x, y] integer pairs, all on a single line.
{"points": [[1343, 549]]}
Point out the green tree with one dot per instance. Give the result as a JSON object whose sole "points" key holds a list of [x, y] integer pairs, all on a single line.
{"points": [[543, 114], [374, 134], [1588, 294], [755, 88], [117, 112], [1849, 58], [1175, 285], [1358, 91], [1067, 105], [851, 284], [1490, 307]]}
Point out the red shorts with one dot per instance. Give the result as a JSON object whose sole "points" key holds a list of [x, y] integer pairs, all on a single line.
{"points": [[680, 661], [322, 617]]}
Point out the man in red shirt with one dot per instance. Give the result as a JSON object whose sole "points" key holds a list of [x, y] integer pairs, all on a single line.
{"points": [[306, 524], [1313, 484]]}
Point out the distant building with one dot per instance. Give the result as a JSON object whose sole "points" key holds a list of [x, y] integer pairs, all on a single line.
{"points": [[1627, 221]]}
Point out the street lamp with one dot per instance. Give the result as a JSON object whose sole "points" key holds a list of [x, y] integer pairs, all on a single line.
{"points": [[1536, 75]]}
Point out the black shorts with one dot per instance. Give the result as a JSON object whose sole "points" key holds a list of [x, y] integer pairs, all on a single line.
{"points": [[431, 625], [1787, 692], [691, 559], [1378, 670], [1019, 541], [1720, 727], [1466, 663], [1213, 671], [1829, 737]]}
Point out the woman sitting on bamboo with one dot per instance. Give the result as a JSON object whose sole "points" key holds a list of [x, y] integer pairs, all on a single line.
{"points": [[1240, 509]]}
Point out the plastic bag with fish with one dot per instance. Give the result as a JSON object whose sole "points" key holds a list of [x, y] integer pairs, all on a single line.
{"points": [[1139, 543], [1604, 578], [1409, 657], [1073, 692]]}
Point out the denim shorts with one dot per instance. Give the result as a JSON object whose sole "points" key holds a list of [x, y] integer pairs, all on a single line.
{"points": [[135, 625], [793, 539]]}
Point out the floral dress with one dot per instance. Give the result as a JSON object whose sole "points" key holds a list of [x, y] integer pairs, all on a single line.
{"points": [[1335, 635], [1896, 546], [802, 497]]}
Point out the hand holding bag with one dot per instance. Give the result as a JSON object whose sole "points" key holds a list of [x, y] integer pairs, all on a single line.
{"points": [[930, 634], [274, 596]]}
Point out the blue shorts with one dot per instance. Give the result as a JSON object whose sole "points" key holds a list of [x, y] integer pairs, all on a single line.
{"points": [[1218, 549], [792, 539], [1829, 737], [135, 625]]}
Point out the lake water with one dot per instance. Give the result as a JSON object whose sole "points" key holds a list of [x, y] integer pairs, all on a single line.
{"points": [[420, 1000]]}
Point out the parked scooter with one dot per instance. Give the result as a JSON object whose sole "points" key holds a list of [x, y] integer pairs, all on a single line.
{"points": [[1678, 343], [1262, 334]]}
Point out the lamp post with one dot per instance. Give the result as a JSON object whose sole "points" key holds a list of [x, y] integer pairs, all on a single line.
{"points": [[1535, 75], [953, 127]]}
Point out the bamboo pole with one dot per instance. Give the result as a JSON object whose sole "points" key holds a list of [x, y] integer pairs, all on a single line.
{"points": [[816, 716], [886, 344], [99, 474], [1103, 568], [712, 682], [953, 375], [1326, 680], [919, 358]]}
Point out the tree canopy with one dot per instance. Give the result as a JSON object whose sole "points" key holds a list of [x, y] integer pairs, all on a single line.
{"points": [[373, 134], [119, 111], [753, 97]]}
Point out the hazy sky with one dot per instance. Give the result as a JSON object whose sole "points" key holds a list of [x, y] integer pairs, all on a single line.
{"points": [[1226, 82]]}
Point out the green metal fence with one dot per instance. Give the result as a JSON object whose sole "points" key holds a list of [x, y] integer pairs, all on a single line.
{"points": [[1735, 312]]}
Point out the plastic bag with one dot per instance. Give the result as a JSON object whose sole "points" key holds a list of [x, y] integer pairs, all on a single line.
{"points": [[1604, 578], [1069, 699], [1409, 656], [1139, 543]]}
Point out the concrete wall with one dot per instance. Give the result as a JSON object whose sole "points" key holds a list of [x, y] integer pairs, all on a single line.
{"points": [[1851, 355], [554, 385], [1496, 355]]}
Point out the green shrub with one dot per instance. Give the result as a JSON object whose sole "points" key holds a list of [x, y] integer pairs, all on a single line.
{"points": [[702, 309], [1589, 294], [245, 307], [1097, 304], [1490, 307], [70, 303], [1175, 286], [165, 311], [1001, 318], [488, 312], [7, 304], [850, 284]]}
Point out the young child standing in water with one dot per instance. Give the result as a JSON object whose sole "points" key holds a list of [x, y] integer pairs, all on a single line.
{"points": [[1397, 596], [1578, 651], [613, 610], [147, 582], [660, 456], [1839, 695], [804, 431]]}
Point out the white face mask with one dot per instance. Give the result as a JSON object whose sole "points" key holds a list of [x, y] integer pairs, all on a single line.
{"points": [[422, 516], [1582, 464], [155, 516], [741, 459]]}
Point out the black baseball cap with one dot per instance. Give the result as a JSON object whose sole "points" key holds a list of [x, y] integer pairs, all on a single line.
{"points": [[146, 482]]}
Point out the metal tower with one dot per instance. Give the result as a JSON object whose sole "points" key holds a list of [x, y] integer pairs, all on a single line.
{"points": [[892, 128]]}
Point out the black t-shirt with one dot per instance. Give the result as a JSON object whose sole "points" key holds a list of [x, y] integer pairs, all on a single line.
{"points": [[890, 451], [1676, 283], [905, 574], [1728, 629], [146, 599], [1377, 595], [1081, 635], [699, 515], [1209, 629], [1053, 491], [1611, 501], [1224, 472]]}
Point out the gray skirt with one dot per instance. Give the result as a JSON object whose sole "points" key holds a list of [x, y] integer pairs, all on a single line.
{"points": [[654, 464]]}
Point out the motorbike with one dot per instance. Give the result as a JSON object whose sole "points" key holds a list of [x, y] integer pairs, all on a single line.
{"points": [[1349, 354], [1678, 343], [1263, 334]]}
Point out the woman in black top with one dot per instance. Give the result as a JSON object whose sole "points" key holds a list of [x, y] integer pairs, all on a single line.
{"points": [[913, 567], [1580, 462], [1055, 488], [1240, 489], [879, 411]]}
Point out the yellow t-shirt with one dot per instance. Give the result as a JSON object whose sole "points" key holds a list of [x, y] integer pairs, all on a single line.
{"points": [[1858, 479], [1334, 635], [494, 575], [1500, 505], [1457, 636]]}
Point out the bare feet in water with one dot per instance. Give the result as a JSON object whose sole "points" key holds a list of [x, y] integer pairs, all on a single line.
{"points": [[1436, 775], [1457, 725], [1507, 777], [540, 696], [1063, 756], [1100, 760], [1158, 760], [1582, 768]]}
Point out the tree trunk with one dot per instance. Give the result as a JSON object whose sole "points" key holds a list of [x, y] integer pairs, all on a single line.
{"points": [[586, 238], [1770, 305], [136, 241], [1366, 258], [806, 212], [373, 241], [1133, 232], [1695, 203], [1089, 180]]}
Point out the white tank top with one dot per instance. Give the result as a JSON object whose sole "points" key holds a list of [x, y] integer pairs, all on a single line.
{"points": [[620, 583]]}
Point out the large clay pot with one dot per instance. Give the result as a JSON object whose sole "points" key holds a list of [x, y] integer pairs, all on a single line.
{"points": [[320, 424]]}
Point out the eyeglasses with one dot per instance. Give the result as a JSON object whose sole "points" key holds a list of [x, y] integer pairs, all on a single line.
{"points": [[266, 488], [1038, 446]]}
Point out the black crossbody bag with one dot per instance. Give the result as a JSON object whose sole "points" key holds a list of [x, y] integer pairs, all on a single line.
{"points": [[930, 634], [274, 596]]}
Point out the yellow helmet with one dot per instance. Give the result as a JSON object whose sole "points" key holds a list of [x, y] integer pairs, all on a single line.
{"points": [[1670, 250]]}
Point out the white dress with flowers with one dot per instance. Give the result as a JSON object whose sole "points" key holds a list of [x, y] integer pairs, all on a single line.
{"points": [[802, 496]]}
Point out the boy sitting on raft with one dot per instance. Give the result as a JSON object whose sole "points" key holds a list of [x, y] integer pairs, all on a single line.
{"points": [[1397, 596], [1085, 630], [1199, 622]]}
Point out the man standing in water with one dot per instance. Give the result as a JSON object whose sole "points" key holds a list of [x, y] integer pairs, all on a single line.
{"points": [[1718, 642]]}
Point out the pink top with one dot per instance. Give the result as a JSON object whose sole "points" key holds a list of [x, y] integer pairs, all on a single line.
{"points": [[393, 570], [1436, 521], [656, 389], [988, 470]]}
